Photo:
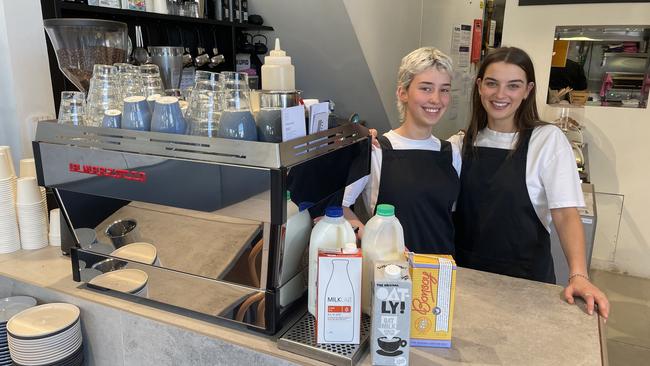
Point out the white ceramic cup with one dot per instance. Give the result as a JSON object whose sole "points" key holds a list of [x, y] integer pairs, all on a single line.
{"points": [[27, 168], [27, 191]]}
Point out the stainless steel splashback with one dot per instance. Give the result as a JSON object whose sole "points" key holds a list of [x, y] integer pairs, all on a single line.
{"points": [[215, 211]]}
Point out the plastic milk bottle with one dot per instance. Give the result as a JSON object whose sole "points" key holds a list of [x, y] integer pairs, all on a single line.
{"points": [[383, 240], [332, 231]]}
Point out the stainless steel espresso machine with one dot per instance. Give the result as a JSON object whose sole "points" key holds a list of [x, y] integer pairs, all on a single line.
{"points": [[212, 211]]}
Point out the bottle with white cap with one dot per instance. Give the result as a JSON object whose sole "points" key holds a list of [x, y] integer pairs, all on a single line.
{"points": [[278, 74], [333, 231]]}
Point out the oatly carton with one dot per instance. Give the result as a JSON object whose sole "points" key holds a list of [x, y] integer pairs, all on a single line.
{"points": [[432, 306], [338, 305], [391, 310]]}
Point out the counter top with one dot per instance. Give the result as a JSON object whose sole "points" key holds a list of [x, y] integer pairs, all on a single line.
{"points": [[498, 320]]}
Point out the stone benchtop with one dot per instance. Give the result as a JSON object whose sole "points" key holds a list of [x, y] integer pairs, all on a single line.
{"points": [[498, 320]]}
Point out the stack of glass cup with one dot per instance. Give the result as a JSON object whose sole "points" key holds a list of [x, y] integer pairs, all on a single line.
{"points": [[130, 80], [205, 104], [150, 74], [237, 120], [104, 94], [72, 108]]}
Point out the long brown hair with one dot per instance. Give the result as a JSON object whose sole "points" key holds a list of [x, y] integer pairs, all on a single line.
{"points": [[526, 116]]}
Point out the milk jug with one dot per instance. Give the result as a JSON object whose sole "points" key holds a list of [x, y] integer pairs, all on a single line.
{"points": [[383, 240], [332, 232]]}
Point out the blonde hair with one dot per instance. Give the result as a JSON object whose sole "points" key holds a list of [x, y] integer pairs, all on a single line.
{"points": [[417, 62]]}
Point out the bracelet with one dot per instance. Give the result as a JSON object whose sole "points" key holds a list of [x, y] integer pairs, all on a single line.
{"points": [[577, 275]]}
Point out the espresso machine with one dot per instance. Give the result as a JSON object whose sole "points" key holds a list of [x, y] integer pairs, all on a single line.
{"points": [[214, 210]]}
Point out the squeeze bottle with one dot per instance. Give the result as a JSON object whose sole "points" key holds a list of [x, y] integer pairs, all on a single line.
{"points": [[278, 73]]}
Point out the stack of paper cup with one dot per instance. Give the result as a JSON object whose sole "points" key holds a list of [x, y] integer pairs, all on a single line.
{"points": [[9, 237], [32, 214], [55, 227], [28, 169]]}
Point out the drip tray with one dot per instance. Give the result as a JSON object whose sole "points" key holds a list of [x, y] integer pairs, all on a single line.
{"points": [[301, 339]]}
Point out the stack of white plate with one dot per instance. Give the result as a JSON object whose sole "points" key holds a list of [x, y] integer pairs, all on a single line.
{"points": [[32, 214], [47, 334], [9, 234], [10, 306]]}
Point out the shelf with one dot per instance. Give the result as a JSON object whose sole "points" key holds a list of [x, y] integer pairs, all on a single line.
{"points": [[625, 54], [154, 16]]}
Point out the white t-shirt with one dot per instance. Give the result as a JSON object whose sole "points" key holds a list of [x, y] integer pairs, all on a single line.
{"points": [[369, 185], [551, 174]]}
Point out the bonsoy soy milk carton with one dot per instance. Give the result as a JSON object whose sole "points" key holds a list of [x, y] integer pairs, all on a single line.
{"points": [[338, 308], [432, 307], [391, 313]]}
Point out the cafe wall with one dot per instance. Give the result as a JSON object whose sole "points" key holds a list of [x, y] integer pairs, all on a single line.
{"points": [[346, 50], [618, 137], [24, 74]]}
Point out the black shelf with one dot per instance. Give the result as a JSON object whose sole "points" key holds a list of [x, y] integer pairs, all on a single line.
{"points": [[100, 10]]}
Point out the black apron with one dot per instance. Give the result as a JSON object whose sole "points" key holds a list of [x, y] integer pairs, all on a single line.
{"points": [[423, 186], [497, 229]]}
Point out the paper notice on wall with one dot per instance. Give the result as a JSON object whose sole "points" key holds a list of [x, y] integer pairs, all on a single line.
{"points": [[460, 46], [293, 122], [452, 109]]}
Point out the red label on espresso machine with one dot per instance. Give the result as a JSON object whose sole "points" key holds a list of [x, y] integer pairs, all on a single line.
{"points": [[103, 171]]}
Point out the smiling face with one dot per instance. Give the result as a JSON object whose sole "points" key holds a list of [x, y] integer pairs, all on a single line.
{"points": [[426, 98], [502, 89]]}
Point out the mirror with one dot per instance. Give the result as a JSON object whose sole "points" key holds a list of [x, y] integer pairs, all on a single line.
{"points": [[600, 66]]}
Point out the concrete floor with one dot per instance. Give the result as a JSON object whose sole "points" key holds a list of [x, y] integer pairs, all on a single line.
{"points": [[628, 327]]}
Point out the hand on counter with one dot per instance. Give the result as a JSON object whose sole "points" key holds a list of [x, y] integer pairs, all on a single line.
{"points": [[582, 287]]}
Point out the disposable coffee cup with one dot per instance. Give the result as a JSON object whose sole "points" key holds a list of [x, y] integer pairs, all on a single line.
{"points": [[27, 191], [7, 159], [5, 170], [55, 227], [27, 168]]}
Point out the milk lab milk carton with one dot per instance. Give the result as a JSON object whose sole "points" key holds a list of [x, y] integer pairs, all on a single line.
{"points": [[338, 311], [391, 314], [432, 305]]}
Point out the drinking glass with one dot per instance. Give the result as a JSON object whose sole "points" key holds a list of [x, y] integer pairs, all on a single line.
{"points": [[72, 108], [204, 112], [104, 93], [201, 75], [236, 120], [151, 80], [130, 79], [234, 80]]}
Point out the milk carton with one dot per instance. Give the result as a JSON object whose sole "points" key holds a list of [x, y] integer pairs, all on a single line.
{"points": [[391, 314], [432, 306], [338, 311]]}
